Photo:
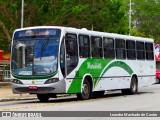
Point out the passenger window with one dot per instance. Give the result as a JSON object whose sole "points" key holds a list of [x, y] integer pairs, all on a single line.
{"points": [[140, 50], [108, 46], [120, 49], [149, 51], [96, 47], [130, 47], [84, 46]]}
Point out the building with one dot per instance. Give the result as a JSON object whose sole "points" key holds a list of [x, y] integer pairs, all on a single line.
{"points": [[4, 66]]}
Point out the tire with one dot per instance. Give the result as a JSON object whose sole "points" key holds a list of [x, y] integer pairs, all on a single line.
{"points": [[86, 90], [98, 94], [157, 81], [43, 97], [133, 87]]}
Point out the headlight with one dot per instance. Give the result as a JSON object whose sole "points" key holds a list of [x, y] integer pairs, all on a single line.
{"points": [[52, 80], [16, 81]]}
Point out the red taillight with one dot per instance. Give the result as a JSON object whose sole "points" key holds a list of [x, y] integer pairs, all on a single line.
{"points": [[33, 87]]}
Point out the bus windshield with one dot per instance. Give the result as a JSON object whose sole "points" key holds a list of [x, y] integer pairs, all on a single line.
{"points": [[35, 52]]}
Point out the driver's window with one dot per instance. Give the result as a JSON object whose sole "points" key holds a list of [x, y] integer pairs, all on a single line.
{"points": [[20, 56], [71, 52]]}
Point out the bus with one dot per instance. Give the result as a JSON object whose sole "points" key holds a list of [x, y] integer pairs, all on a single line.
{"points": [[51, 60]]}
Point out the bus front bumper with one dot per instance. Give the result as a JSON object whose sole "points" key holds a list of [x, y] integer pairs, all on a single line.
{"points": [[58, 87]]}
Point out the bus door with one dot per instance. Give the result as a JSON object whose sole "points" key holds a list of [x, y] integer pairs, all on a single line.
{"points": [[71, 49]]}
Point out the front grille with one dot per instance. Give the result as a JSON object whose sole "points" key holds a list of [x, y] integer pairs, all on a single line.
{"points": [[39, 90]]}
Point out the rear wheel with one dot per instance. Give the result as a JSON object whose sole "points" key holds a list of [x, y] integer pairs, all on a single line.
{"points": [[86, 90], [157, 80], [133, 87], [43, 97]]}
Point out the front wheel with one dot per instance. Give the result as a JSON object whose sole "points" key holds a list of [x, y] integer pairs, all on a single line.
{"points": [[86, 90], [43, 97], [133, 87]]}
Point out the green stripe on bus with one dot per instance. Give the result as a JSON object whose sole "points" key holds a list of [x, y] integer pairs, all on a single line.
{"points": [[75, 86], [120, 64]]}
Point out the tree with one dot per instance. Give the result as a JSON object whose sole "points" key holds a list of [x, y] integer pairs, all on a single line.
{"points": [[146, 17], [102, 15], [10, 16]]}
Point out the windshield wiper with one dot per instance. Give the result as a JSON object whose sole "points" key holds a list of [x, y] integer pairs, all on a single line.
{"points": [[44, 45]]}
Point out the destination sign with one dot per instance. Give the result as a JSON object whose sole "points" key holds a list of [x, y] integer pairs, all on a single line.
{"points": [[37, 33]]}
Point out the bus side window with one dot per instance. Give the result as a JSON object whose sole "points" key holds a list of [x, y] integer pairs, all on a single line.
{"points": [[84, 46], [96, 47], [108, 46], [149, 51], [120, 49], [140, 50], [130, 48]]}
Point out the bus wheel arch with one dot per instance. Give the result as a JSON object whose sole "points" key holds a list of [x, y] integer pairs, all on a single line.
{"points": [[133, 86], [87, 87]]}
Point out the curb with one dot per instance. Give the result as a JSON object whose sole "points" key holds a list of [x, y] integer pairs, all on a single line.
{"points": [[2, 84], [15, 99], [29, 98]]}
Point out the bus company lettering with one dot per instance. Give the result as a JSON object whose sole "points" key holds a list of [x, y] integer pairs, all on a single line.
{"points": [[94, 66]]}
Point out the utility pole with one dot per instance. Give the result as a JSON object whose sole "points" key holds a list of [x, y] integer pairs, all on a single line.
{"points": [[22, 19], [22, 14], [93, 11], [130, 15]]}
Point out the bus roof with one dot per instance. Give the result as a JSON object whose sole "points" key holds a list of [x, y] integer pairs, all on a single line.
{"points": [[105, 34], [84, 31]]}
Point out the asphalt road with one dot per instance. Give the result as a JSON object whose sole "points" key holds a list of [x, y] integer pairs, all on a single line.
{"points": [[148, 99]]}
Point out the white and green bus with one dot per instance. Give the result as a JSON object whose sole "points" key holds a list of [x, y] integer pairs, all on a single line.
{"points": [[51, 60]]}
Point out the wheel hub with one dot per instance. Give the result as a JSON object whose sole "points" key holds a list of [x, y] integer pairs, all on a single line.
{"points": [[85, 89]]}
